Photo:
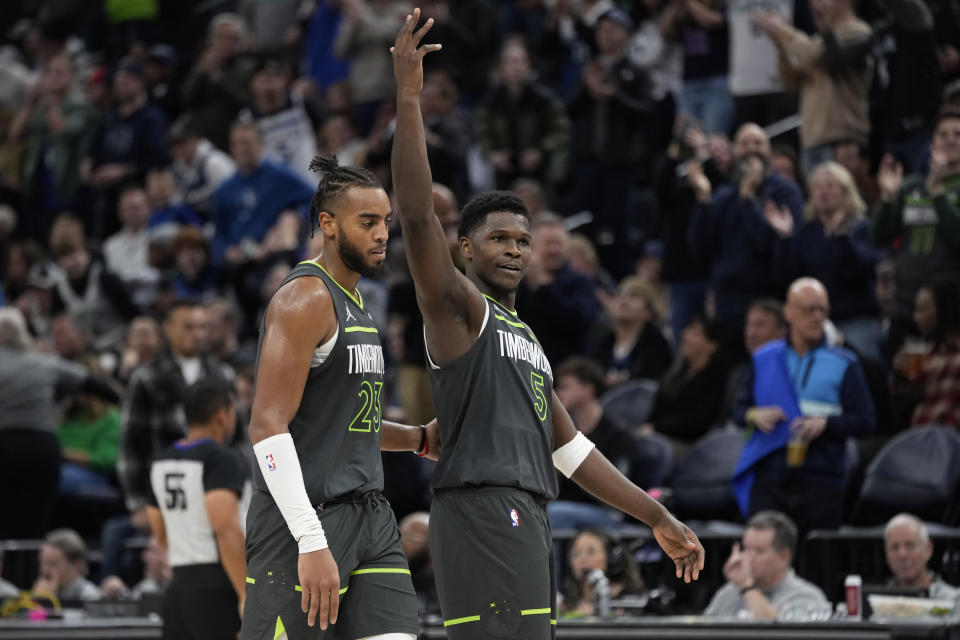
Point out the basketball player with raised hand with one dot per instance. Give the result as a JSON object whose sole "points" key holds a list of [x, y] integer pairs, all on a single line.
{"points": [[502, 429], [323, 549]]}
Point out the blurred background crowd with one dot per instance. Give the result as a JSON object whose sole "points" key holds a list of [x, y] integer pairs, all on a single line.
{"points": [[685, 162]]}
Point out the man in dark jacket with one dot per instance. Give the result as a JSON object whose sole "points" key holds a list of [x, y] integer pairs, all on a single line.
{"points": [[558, 302], [729, 229], [521, 126], [610, 148], [806, 395]]}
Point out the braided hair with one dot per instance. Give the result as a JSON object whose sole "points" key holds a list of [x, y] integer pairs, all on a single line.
{"points": [[334, 181]]}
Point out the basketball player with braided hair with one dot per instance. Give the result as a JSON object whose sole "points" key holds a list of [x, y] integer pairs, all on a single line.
{"points": [[323, 550]]}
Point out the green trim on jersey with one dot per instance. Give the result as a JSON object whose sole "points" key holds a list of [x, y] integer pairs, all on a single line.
{"points": [[505, 307], [518, 325], [361, 330], [279, 630], [357, 299]]}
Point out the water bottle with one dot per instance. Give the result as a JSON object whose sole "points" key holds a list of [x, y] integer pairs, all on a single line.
{"points": [[597, 579]]}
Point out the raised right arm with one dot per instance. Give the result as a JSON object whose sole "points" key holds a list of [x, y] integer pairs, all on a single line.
{"points": [[451, 305]]}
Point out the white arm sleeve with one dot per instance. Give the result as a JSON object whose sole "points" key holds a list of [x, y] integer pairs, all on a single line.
{"points": [[277, 457], [568, 458]]}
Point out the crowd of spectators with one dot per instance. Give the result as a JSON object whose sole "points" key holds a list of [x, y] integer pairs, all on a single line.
{"points": [[792, 277]]}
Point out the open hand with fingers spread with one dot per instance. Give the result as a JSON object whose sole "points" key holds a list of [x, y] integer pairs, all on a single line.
{"points": [[681, 544], [408, 55], [779, 218]]}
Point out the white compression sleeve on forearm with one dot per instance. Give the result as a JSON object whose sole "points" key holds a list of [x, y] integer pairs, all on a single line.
{"points": [[568, 458], [277, 457]]}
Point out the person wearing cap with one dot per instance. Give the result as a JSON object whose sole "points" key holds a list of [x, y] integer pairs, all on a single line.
{"points": [[199, 168], [609, 111], [160, 69], [131, 140]]}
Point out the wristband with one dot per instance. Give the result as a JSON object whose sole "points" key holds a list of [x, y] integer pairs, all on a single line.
{"points": [[280, 466], [568, 458], [744, 591], [423, 440], [424, 447]]}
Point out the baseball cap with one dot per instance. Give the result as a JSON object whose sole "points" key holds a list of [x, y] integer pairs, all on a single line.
{"points": [[619, 16]]}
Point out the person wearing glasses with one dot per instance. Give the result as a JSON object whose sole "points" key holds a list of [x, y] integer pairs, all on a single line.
{"points": [[802, 399]]}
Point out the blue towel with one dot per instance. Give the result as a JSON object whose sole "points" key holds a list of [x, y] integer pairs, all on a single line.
{"points": [[772, 386]]}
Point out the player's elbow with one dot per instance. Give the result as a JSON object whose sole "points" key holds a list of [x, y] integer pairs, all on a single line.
{"points": [[264, 425]]}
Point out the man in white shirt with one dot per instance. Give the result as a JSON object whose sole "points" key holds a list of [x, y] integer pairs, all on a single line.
{"points": [[754, 77], [761, 583], [127, 251], [198, 166], [908, 549]]}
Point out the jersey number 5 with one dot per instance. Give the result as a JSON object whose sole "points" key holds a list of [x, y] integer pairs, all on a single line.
{"points": [[540, 404], [176, 496], [370, 412]]}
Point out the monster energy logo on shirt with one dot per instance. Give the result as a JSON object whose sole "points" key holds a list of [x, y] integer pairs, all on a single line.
{"points": [[519, 348], [365, 358]]}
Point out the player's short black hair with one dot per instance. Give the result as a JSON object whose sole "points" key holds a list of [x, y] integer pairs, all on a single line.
{"points": [[476, 211], [204, 398], [335, 180]]}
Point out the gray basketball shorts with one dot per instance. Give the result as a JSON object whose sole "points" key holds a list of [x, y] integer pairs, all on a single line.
{"points": [[493, 563], [376, 592]]}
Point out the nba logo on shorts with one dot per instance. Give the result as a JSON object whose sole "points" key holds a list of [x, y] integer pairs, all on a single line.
{"points": [[514, 518], [271, 465]]}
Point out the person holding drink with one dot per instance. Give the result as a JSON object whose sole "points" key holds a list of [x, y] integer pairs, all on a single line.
{"points": [[802, 399], [933, 365]]}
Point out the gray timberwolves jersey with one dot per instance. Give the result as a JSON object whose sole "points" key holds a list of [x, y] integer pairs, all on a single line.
{"points": [[337, 427], [494, 409]]}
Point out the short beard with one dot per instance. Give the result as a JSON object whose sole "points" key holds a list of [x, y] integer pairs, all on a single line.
{"points": [[354, 260]]}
